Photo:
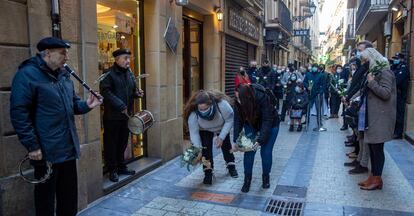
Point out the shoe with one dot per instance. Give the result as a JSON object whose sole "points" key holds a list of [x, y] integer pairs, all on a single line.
{"points": [[291, 128], [374, 184], [366, 182], [354, 163], [332, 116], [266, 181], [126, 172], [208, 177], [299, 128], [349, 154], [113, 176], [358, 170], [397, 136], [353, 156], [344, 128], [246, 184], [350, 137], [232, 170], [349, 144]]}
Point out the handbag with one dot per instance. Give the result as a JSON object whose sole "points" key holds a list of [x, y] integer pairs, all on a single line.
{"points": [[296, 114]]}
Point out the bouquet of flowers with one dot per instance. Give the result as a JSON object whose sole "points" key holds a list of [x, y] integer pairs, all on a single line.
{"points": [[341, 87], [191, 157], [310, 85], [244, 143], [379, 66]]}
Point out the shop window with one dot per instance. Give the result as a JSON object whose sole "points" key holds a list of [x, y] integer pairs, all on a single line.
{"points": [[119, 24]]}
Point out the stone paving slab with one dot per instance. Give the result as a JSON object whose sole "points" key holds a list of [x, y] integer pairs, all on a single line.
{"points": [[331, 184]]}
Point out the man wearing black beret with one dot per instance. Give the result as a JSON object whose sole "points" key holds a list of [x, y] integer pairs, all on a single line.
{"points": [[119, 90], [42, 108]]}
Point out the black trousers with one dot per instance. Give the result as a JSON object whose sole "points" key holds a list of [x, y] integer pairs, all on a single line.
{"points": [[62, 187], [207, 142], [377, 158], [285, 106], [399, 123], [116, 134], [335, 103]]}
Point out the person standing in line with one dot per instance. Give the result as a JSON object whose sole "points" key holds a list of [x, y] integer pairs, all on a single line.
{"points": [[241, 77], [402, 76], [336, 85], [314, 84], [252, 71], [378, 97], [255, 115], [43, 105], [209, 114], [119, 90]]}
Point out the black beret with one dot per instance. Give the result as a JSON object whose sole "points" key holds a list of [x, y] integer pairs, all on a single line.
{"points": [[51, 43], [398, 56], [119, 52]]}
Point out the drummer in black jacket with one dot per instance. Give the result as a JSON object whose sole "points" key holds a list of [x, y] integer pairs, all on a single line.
{"points": [[119, 90]]}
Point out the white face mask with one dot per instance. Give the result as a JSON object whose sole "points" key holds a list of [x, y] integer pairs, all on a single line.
{"points": [[353, 71], [338, 70]]}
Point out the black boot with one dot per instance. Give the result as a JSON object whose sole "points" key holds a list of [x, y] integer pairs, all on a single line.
{"points": [[358, 170], [246, 184], [354, 163], [266, 181], [344, 127], [299, 128], [113, 176], [291, 128], [208, 177], [232, 170]]}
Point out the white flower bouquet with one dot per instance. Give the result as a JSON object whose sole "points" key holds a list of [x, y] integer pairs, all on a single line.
{"points": [[191, 157], [244, 143]]}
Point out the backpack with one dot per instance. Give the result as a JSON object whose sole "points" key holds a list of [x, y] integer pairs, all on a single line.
{"points": [[270, 96]]}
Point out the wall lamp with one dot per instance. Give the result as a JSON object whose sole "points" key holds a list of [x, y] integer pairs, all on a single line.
{"points": [[219, 13]]}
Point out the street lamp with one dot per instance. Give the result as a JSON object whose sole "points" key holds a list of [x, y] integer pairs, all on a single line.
{"points": [[312, 9]]}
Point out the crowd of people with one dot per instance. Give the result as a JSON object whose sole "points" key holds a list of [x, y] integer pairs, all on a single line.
{"points": [[371, 89]]}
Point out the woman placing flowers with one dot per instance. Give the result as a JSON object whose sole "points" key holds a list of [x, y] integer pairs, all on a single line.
{"points": [[258, 118], [377, 113], [209, 114]]}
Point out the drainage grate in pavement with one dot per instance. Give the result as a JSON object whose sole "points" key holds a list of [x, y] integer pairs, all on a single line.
{"points": [[286, 207], [290, 191]]}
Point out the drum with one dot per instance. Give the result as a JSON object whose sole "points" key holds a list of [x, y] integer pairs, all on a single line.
{"points": [[140, 122]]}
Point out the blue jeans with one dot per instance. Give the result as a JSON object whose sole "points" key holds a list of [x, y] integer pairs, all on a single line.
{"points": [[266, 150]]}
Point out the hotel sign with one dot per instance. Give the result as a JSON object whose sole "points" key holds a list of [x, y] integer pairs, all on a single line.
{"points": [[300, 32], [243, 25]]}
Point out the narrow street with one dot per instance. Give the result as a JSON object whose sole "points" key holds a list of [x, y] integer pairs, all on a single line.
{"points": [[307, 167]]}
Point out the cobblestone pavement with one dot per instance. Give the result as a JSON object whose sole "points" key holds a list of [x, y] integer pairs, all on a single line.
{"points": [[309, 163]]}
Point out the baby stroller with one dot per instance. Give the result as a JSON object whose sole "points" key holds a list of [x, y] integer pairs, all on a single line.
{"points": [[298, 104]]}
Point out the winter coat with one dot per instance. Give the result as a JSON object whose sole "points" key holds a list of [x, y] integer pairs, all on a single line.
{"points": [[119, 90], [299, 101], [317, 87], [382, 106], [268, 117], [42, 108]]}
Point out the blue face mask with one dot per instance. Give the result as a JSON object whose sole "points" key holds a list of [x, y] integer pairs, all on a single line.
{"points": [[207, 114], [396, 61], [314, 69], [358, 54]]}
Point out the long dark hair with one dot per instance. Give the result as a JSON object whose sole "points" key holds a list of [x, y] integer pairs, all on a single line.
{"points": [[203, 97], [247, 108]]}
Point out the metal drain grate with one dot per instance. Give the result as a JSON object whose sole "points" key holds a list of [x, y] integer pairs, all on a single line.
{"points": [[285, 207]]}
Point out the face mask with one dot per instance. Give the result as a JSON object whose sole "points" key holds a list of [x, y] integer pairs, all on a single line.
{"points": [[309, 68], [396, 61], [314, 69], [207, 114], [287, 70], [358, 54], [339, 70], [279, 71], [293, 78]]}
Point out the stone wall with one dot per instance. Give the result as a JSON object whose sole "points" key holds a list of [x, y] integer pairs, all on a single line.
{"points": [[23, 24]]}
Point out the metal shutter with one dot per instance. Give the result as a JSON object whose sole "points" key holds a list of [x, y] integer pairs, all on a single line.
{"points": [[236, 56]]}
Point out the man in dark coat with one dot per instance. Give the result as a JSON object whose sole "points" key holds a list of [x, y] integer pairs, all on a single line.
{"points": [[42, 108], [314, 83], [402, 76], [119, 90], [252, 71]]}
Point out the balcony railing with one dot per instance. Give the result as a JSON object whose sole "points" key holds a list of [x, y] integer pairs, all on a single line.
{"points": [[284, 16], [368, 6], [307, 42], [350, 32]]}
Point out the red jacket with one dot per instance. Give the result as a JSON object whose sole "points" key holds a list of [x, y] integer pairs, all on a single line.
{"points": [[241, 80]]}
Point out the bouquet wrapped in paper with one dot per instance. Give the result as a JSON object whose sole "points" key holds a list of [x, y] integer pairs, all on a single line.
{"points": [[244, 143], [191, 157]]}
